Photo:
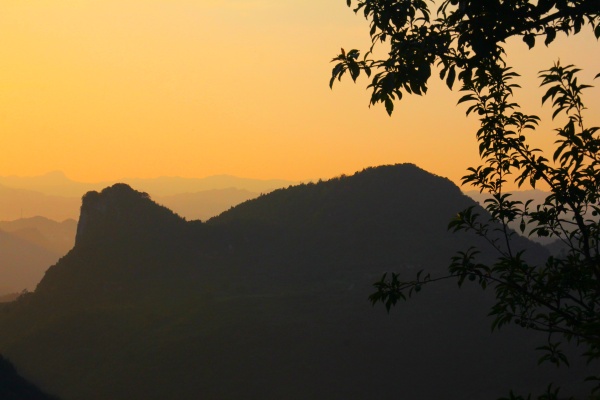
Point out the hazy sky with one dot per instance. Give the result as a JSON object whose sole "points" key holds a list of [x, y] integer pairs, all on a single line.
{"points": [[106, 89]]}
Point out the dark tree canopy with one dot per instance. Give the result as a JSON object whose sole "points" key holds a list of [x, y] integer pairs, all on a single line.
{"points": [[465, 41], [460, 38]]}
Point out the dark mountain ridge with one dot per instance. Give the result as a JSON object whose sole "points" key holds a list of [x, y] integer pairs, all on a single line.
{"points": [[269, 300], [14, 387]]}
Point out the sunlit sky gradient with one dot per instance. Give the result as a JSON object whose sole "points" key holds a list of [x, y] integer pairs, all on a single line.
{"points": [[107, 89]]}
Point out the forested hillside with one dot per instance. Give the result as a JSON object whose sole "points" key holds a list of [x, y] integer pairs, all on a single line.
{"points": [[269, 301]]}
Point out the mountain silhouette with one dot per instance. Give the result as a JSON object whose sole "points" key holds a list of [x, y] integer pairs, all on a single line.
{"points": [[191, 198], [269, 300]]}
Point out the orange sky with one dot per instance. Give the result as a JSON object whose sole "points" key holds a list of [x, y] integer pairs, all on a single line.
{"points": [[107, 89]]}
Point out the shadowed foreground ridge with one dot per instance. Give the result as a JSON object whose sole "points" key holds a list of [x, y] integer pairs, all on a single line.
{"points": [[269, 301], [14, 387]]}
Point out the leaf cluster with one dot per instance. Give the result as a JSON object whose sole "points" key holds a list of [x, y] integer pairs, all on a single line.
{"points": [[460, 38]]}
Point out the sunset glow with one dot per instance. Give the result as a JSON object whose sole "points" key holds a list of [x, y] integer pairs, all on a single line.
{"points": [[109, 89]]}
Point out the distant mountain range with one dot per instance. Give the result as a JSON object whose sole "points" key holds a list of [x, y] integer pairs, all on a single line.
{"points": [[27, 247], [57, 197], [22, 203], [205, 204], [58, 184], [269, 301], [56, 237], [23, 263]]}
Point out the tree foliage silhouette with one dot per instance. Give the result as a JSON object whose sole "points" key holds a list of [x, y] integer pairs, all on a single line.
{"points": [[466, 42], [465, 36]]}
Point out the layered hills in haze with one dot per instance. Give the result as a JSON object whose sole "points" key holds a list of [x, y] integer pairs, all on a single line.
{"points": [[38, 216], [57, 197], [269, 301], [23, 263], [56, 183], [27, 247], [57, 237], [19, 203]]}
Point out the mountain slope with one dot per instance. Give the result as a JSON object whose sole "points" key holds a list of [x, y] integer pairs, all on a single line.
{"points": [[14, 387], [269, 301]]}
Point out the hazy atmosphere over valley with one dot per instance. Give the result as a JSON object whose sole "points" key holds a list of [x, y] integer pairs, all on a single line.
{"points": [[191, 209]]}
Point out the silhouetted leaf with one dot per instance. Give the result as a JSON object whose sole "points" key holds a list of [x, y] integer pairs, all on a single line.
{"points": [[550, 35], [529, 39], [451, 77]]}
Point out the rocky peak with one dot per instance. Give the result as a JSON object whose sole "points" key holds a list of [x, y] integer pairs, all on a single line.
{"points": [[119, 207]]}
